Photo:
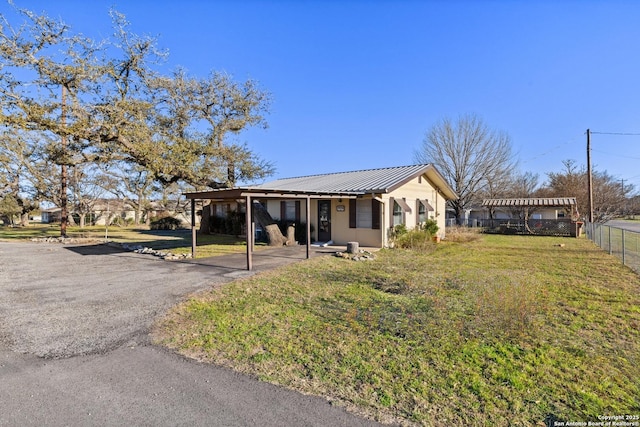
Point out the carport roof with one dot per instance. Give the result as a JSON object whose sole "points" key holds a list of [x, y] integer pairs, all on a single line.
{"points": [[529, 202]]}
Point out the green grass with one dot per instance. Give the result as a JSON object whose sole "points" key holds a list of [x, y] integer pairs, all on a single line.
{"points": [[504, 330], [176, 241]]}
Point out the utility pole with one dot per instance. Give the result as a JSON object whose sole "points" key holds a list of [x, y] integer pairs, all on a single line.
{"points": [[589, 177]]}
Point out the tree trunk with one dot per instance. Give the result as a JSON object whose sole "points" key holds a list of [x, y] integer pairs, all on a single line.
{"points": [[205, 227], [275, 235], [24, 219]]}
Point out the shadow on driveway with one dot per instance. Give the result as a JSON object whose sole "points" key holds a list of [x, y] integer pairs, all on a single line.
{"points": [[97, 249]]}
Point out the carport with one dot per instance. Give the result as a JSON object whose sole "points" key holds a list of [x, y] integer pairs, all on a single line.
{"points": [[248, 195], [548, 223]]}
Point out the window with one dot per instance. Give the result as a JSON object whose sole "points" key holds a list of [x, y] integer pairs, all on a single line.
{"points": [[397, 213], [290, 210], [363, 213], [422, 212]]}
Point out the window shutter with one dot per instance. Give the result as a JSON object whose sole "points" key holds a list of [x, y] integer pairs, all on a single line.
{"points": [[375, 214], [352, 213], [391, 203], [298, 211], [283, 210]]}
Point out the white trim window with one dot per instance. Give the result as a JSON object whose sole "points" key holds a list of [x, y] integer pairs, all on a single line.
{"points": [[397, 214]]}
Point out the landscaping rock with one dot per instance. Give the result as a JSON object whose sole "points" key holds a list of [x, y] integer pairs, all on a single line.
{"points": [[168, 256], [361, 255], [65, 240]]}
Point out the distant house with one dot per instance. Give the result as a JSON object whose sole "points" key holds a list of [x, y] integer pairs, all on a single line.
{"points": [[117, 211], [359, 206], [50, 215], [556, 216], [512, 208], [532, 208]]}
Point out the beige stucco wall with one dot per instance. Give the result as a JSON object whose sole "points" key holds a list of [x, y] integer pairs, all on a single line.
{"points": [[273, 207], [417, 189]]}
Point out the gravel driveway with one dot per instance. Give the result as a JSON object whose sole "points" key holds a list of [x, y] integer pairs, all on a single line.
{"points": [[75, 349]]}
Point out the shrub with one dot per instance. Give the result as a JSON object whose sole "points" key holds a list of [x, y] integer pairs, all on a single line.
{"points": [[117, 221], [430, 226], [463, 234], [416, 239], [166, 223], [419, 238]]}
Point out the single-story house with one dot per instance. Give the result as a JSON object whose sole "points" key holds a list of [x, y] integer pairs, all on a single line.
{"points": [[103, 211], [50, 215], [359, 206]]}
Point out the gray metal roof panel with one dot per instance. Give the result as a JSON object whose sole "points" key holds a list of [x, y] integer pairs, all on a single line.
{"points": [[359, 182]]}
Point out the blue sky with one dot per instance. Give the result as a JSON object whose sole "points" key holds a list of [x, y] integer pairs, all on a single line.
{"points": [[357, 84]]}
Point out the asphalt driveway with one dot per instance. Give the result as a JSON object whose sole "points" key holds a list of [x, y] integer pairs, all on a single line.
{"points": [[75, 347]]}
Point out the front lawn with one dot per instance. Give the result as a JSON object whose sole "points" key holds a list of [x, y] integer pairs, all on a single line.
{"points": [[505, 330]]}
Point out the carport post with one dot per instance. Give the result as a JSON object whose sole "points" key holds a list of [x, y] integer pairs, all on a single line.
{"points": [[193, 229], [308, 225], [249, 234]]}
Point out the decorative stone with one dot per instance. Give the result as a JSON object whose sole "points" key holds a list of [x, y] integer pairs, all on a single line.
{"points": [[353, 247]]}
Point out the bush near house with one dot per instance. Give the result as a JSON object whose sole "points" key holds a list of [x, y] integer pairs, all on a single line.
{"points": [[418, 238], [165, 223]]}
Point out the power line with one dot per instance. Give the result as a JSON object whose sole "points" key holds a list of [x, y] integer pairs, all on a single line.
{"points": [[615, 155], [572, 140], [615, 133]]}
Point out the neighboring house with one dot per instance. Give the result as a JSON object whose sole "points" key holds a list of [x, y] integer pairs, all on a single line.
{"points": [[110, 211], [531, 208], [556, 216], [51, 215], [359, 206], [514, 208]]}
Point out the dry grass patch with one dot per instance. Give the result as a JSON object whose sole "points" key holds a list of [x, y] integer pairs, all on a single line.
{"points": [[463, 234], [500, 330]]}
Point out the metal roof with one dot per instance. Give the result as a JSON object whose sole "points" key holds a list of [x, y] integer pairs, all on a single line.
{"points": [[383, 180], [536, 201], [357, 182]]}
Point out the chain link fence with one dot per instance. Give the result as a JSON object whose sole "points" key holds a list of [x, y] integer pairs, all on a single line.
{"points": [[624, 244]]}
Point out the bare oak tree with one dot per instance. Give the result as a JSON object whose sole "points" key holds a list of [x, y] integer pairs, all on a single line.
{"points": [[470, 155], [609, 196]]}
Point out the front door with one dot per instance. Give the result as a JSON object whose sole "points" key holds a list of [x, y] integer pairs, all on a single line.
{"points": [[324, 220]]}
